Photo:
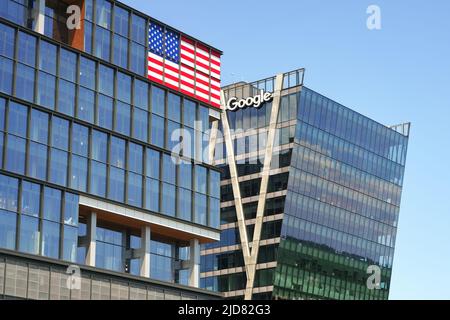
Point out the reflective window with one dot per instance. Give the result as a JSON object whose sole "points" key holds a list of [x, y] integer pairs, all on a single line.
{"points": [[68, 65], [168, 199], [117, 152], [103, 14], [31, 198], [29, 234], [158, 101], [58, 166], [15, 154], [70, 209], [200, 209], [80, 139], [105, 112], [47, 57], [8, 230], [153, 161], [50, 239], [152, 194], [116, 184], [200, 179], [169, 169], [106, 80], [157, 137], [98, 179], [184, 204], [174, 107], [60, 133], [70, 243], [66, 97], [120, 51], [9, 193], [214, 183], [87, 73], [185, 175], [138, 29], [52, 204], [124, 87], [26, 49], [37, 161], [99, 146], [214, 212], [102, 43], [46, 90], [17, 119], [140, 94], [121, 21], [7, 41], [189, 113], [6, 75], [137, 58], [135, 156], [86, 101], [123, 118], [39, 126], [78, 173], [134, 189], [140, 124], [25, 82]]}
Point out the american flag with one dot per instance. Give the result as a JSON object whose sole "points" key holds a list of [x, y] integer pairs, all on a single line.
{"points": [[184, 65]]}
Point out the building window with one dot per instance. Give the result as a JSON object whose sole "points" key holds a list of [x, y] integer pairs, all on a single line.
{"points": [[8, 230], [135, 156], [200, 209], [117, 152], [70, 209], [168, 199], [98, 179], [140, 94], [157, 131], [37, 161], [121, 21], [7, 41], [68, 65], [15, 154], [137, 58], [158, 101], [70, 243], [134, 189], [116, 184], [29, 235], [52, 204], [106, 80], [152, 194], [169, 169], [31, 198], [86, 102], [153, 160], [17, 119], [120, 51], [138, 29], [9, 193], [66, 97], [124, 87], [103, 13], [200, 179], [6, 75], [50, 239], [78, 174], [58, 166], [184, 204], [100, 146], [47, 57], [27, 49], [80, 140], [140, 124], [87, 73], [25, 82], [60, 133], [39, 126], [105, 112], [123, 118]]}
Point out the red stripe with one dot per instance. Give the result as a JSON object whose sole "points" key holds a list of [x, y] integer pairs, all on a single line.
{"points": [[167, 66], [154, 79], [203, 99], [215, 96], [203, 56], [171, 77], [215, 104], [187, 84], [187, 58], [155, 70], [202, 65], [202, 90], [216, 63], [171, 86], [190, 94], [203, 82], [187, 40], [155, 61], [213, 87], [187, 75], [215, 54], [187, 49]]}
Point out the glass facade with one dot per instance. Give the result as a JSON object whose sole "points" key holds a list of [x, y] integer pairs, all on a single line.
{"points": [[90, 124], [331, 205]]}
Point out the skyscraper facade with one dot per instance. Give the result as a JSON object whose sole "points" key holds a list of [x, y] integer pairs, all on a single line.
{"points": [[310, 196], [97, 198]]}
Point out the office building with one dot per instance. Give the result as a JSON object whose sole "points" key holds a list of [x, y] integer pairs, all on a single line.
{"points": [[101, 196], [310, 196]]}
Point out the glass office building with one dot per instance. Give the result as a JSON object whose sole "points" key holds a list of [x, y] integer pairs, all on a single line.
{"points": [[310, 196], [88, 172]]}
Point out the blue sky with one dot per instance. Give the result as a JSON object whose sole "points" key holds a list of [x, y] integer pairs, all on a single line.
{"points": [[397, 74]]}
